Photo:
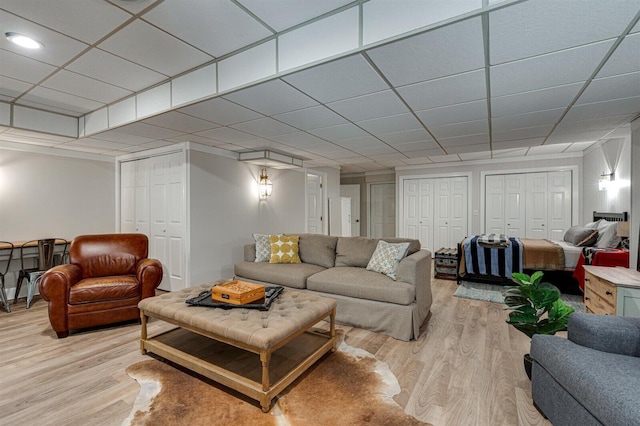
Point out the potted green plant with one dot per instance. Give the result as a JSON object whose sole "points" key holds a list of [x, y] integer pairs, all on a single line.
{"points": [[536, 308]]}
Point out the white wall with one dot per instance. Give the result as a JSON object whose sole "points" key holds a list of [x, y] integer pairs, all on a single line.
{"points": [[225, 210], [616, 199], [43, 196], [634, 261]]}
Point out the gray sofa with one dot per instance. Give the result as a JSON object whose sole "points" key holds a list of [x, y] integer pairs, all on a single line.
{"points": [[335, 267], [591, 378]]}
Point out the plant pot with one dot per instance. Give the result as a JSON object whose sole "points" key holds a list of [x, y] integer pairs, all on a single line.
{"points": [[528, 363]]}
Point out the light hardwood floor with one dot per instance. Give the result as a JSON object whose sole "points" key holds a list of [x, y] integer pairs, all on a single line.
{"points": [[465, 369]]}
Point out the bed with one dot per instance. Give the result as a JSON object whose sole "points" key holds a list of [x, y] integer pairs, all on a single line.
{"points": [[561, 261]]}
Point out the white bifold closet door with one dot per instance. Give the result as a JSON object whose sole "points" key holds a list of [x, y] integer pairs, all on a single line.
{"points": [[152, 202], [435, 211], [528, 205]]}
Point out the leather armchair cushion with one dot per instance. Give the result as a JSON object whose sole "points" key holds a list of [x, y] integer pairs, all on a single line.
{"points": [[104, 289]]}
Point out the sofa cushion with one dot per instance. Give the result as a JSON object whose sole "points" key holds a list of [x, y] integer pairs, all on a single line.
{"points": [[414, 245], [104, 289], [362, 284], [318, 249], [605, 384], [386, 257], [354, 251], [284, 249], [291, 275]]}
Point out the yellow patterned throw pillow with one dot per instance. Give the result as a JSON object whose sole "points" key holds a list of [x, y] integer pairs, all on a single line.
{"points": [[284, 249]]}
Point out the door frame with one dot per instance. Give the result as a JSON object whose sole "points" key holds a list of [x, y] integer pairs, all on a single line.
{"points": [[400, 196], [575, 188]]}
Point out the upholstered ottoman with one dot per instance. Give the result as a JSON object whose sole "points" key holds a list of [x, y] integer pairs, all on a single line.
{"points": [[214, 342]]}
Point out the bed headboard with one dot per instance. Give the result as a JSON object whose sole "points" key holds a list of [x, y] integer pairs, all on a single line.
{"points": [[611, 217]]}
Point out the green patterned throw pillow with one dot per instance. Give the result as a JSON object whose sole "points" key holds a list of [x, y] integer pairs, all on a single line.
{"points": [[387, 257]]}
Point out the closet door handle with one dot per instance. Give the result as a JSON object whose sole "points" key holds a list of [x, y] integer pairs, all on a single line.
{"points": [[609, 293]]}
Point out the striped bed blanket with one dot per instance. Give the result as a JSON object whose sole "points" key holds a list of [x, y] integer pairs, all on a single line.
{"points": [[498, 261]]}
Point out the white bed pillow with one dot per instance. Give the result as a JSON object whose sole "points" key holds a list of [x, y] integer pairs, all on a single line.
{"points": [[608, 235]]}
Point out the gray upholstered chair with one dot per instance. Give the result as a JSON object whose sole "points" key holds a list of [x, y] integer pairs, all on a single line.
{"points": [[593, 376]]}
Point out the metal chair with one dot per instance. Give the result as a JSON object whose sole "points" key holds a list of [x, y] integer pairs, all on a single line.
{"points": [[5, 245], [46, 248]]}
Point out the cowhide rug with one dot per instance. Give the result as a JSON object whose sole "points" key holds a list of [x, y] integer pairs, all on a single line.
{"points": [[348, 387]]}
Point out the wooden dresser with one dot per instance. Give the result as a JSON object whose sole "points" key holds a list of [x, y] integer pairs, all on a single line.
{"points": [[612, 291]]}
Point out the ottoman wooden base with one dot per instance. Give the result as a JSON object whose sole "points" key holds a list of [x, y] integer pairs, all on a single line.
{"points": [[222, 344]]}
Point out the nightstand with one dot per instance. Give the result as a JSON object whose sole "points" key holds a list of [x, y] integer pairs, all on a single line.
{"points": [[612, 291]]}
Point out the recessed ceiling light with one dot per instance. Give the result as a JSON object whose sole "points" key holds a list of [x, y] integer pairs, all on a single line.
{"points": [[23, 40]]}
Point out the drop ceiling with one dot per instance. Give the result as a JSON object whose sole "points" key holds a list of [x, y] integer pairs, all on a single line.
{"points": [[413, 82]]}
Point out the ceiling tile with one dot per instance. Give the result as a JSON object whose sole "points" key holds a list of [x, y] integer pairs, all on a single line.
{"points": [[625, 58], [311, 118], [383, 18], [374, 150], [525, 133], [445, 158], [603, 109], [416, 146], [23, 68], [226, 134], [49, 97], [51, 108], [216, 27], [406, 136], [509, 153], [529, 119], [388, 157], [429, 55], [59, 49], [391, 124], [361, 142], [519, 143], [451, 90], [148, 131], [465, 149], [610, 88], [85, 87], [342, 79], [470, 156], [579, 146], [536, 27], [289, 13], [111, 69], [271, 98], [180, 122], [591, 136], [599, 123], [297, 139], [340, 132], [195, 138], [220, 111], [116, 136], [12, 88], [535, 100], [468, 111], [422, 160], [464, 140], [89, 23], [264, 127], [145, 45], [371, 106], [548, 149], [460, 129], [98, 143], [554, 69]]}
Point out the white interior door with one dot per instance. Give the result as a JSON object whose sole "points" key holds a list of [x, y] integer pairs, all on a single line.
{"points": [[536, 208], [127, 197], [142, 196], [559, 207], [167, 201], [353, 192], [382, 205], [514, 206], [425, 216], [442, 213], [457, 211], [494, 219], [314, 204]]}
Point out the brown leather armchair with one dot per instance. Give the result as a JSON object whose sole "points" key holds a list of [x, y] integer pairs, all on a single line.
{"points": [[106, 277]]}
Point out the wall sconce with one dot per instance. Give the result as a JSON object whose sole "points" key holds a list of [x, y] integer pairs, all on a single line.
{"points": [[265, 187], [605, 180]]}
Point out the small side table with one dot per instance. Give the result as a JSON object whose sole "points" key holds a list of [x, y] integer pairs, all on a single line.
{"points": [[612, 291]]}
